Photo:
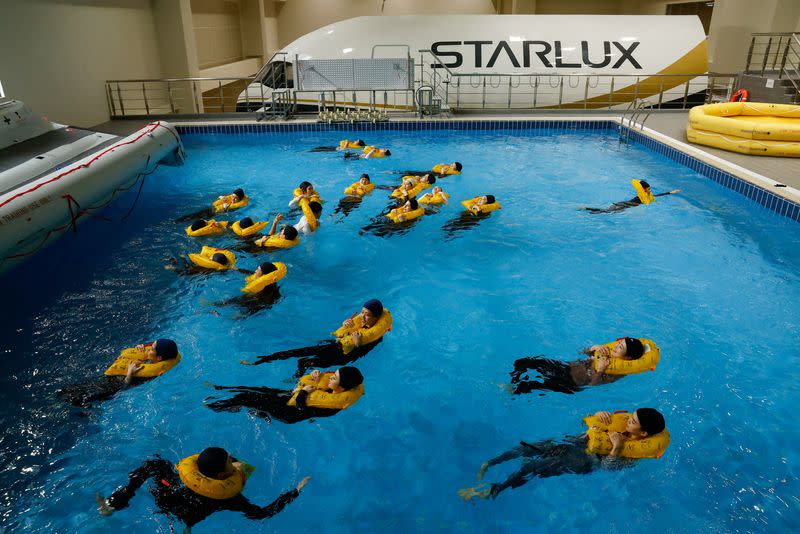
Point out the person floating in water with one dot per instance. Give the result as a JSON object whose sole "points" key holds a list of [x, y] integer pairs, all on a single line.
{"points": [[369, 152], [288, 237], [134, 366], [436, 197], [200, 485], [400, 220], [357, 336], [413, 185], [441, 170], [344, 144], [210, 260], [304, 191], [261, 289], [611, 441], [477, 209], [644, 195], [309, 222], [355, 193], [224, 203], [203, 228], [317, 394], [571, 377]]}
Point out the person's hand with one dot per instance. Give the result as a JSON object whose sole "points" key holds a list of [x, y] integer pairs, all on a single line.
{"points": [[140, 347], [133, 368], [308, 388], [303, 483], [278, 218], [482, 470], [602, 364], [605, 417], [225, 205], [348, 323], [475, 209], [356, 337], [674, 191], [617, 440], [401, 218], [102, 505], [315, 374], [602, 351]]}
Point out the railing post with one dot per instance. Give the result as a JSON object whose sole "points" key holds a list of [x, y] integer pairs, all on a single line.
{"points": [[586, 93], [785, 55], [685, 94], [778, 51], [121, 103], [170, 98], [483, 104], [710, 90], [611, 94], [535, 91], [660, 92], [509, 93], [144, 95], [636, 91], [560, 91], [246, 98], [766, 56], [458, 93], [221, 96], [111, 107], [261, 90], [750, 53]]}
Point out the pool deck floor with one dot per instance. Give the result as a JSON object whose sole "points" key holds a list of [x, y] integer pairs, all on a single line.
{"points": [[668, 123]]}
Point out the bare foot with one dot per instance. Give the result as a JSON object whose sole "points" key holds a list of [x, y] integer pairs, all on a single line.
{"points": [[245, 362], [506, 387], [102, 505], [479, 491], [303, 483], [482, 470]]}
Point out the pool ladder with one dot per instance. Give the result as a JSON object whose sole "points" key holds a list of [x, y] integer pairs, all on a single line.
{"points": [[638, 110]]}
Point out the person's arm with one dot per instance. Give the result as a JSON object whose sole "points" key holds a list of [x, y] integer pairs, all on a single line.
{"points": [[674, 191], [253, 511], [602, 364], [133, 368], [157, 469], [295, 200], [278, 218], [369, 153], [613, 460]]}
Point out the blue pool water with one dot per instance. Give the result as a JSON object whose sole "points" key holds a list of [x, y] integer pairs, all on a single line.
{"points": [[709, 275]]}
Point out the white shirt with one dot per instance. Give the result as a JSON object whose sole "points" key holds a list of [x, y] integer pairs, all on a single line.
{"points": [[303, 227]]}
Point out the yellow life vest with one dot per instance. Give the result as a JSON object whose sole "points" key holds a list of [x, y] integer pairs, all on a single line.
{"points": [[401, 192], [645, 196], [358, 189], [257, 284], [204, 259], [213, 488], [278, 241], [320, 398], [208, 229], [472, 205], [621, 366], [368, 335], [218, 204], [395, 214], [444, 168], [600, 443], [344, 143], [250, 230], [429, 198], [313, 198], [310, 217], [376, 152], [149, 370]]}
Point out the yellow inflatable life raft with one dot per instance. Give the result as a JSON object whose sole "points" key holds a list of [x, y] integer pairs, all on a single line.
{"points": [[395, 214], [278, 241], [472, 205], [310, 217], [444, 168], [368, 335], [648, 360], [149, 370], [212, 228], [219, 204], [256, 284], [319, 398], [204, 259], [600, 443], [313, 198], [358, 189], [753, 128], [213, 488], [250, 230], [430, 198], [344, 143], [645, 196]]}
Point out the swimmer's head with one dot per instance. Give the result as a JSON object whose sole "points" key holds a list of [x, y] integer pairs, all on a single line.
{"points": [[411, 204], [247, 222], [645, 185], [645, 422], [199, 223], [162, 349], [629, 348], [373, 308], [265, 268], [429, 178], [364, 180], [346, 378], [239, 194], [360, 142], [386, 152], [220, 258], [316, 208], [215, 462], [490, 199], [304, 186], [457, 166], [289, 232]]}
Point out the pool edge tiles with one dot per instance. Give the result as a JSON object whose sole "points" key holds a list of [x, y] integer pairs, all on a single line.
{"points": [[746, 183]]}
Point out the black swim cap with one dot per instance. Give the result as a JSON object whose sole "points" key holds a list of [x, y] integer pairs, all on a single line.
{"points": [[289, 232], [316, 207], [267, 267], [431, 179], [199, 223], [247, 222], [387, 153], [490, 199], [166, 348], [350, 377], [458, 166], [360, 142], [220, 258], [212, 461], [374, 306], [365, 175], [239, 194], [303, 186], [650, 420], [634, 349], [414, 203], [644, 184]]}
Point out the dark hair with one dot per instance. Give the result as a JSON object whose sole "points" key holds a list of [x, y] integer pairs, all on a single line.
{"points": [[359, 142], [431, 179], [289, 232], [458, 166], [166, 349], [199, 223], [634, 348], [303, 186], [267, 267], [365, 175], [644, 184], [316, 208], [220, 258], [414, 203], [650, 420], [212, 461], [374, 306], [387, 153], [350, 377], [239, 193], [247, 222], [490, 199]]}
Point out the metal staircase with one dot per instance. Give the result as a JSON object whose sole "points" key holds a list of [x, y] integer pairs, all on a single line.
{"points": [[776, 57]]}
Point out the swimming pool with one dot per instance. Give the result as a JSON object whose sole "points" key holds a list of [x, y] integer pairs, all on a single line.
{"points": [[708, 274]]}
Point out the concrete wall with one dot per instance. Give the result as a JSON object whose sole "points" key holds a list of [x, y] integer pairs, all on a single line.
{"points": [[218, 32], [56, 54]]}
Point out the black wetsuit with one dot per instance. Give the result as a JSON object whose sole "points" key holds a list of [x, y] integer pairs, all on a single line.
{"points": [[555, 376], [205, 213], [550, 458], [183, 267], [619, 206], [464, 221], [348, 204], [175, 499], [382, 226], [323, 355], [268, 403], [103, 388], [250, 304]]}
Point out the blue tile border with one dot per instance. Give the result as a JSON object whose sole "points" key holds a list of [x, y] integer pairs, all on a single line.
{"points": [[758, 194]]}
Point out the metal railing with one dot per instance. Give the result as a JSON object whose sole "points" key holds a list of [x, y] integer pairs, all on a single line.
{"points": [[776, 54]]}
